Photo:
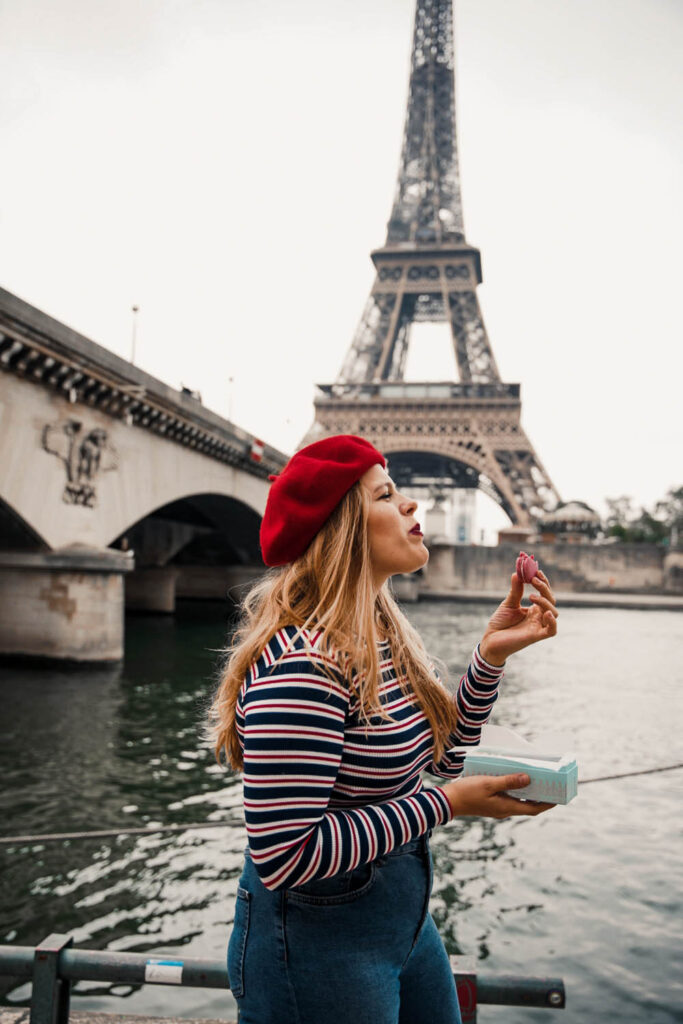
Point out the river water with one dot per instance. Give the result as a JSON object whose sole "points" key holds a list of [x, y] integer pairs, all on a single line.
{"points": [[592, 892]]}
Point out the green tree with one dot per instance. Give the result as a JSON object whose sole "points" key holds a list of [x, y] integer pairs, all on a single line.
{"points": [[670, 510], [662, 525]]}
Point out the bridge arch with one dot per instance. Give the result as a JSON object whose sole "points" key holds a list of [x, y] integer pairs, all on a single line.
{"points": [[16, 533], [205, 527], [192, 477]]}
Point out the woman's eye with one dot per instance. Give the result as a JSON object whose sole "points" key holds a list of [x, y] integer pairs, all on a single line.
{"points": [[387, 495]]}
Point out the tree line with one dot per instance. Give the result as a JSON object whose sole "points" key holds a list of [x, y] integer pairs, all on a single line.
{"points": [[661, 524]]}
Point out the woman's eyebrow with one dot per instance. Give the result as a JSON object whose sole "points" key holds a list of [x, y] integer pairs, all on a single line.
{"points": [[387, 483]]}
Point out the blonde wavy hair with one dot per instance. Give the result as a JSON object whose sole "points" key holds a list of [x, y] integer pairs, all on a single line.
{"points": [[330, 588]]}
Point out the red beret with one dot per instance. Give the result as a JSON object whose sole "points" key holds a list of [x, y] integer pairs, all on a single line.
{"points": [[309, 488]]}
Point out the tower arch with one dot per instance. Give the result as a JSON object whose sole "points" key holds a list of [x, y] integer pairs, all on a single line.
{"points": [[430, 469]]}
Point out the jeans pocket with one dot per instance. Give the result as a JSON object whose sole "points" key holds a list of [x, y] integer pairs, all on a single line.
{"points": [[238, 943], [342, 888]]}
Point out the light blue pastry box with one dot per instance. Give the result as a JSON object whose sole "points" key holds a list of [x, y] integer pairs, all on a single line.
{"points": [[552, 781]]}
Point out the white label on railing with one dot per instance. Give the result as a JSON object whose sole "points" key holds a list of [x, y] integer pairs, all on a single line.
{"points": [[165, 972]]}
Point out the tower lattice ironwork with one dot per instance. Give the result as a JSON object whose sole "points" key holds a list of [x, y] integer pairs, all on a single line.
{"points": [[458, 434]]}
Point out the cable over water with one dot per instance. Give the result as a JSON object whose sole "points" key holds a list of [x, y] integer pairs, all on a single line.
{"points": [[141, 830]]}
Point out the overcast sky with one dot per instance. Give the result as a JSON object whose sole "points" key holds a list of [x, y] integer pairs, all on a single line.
{"points": [[228, 165]]}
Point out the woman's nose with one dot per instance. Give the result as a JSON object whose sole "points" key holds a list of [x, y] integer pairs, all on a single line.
{"points": [[408, 506]]}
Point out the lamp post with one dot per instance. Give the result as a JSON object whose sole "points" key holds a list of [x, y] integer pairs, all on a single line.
{"points": [[135, 330]]}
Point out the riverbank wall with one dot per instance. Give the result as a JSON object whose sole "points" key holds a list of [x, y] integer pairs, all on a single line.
{"points": [[572, 568]]}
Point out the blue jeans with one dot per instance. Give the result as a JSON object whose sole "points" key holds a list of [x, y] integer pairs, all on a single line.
{"points": [[358, 948]]}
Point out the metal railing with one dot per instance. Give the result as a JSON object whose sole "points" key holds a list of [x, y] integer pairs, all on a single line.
{"points": [[419, 390], [54, 965]]}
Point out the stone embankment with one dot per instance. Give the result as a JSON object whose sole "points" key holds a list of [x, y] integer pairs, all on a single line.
{"points": [[642, 576], [582, 568]]}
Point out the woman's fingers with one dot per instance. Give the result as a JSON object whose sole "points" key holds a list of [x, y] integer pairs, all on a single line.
{"points": [[511, 807], [540, 581], [515, 592], [547, 619], [489, 797], [545, 603], [499, 783]]}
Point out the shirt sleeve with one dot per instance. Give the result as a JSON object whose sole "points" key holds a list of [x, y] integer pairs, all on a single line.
{"points": [[477, 693], [293, 736]]}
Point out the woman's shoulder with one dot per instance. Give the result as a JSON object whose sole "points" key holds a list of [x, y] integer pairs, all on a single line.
{"points": [[291, 645], [293, 667]]}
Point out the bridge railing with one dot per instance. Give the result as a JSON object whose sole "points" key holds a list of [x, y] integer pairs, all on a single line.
{"points": [[54, 965]]}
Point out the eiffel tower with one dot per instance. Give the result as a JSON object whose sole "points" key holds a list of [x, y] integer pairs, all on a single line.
{"points": [[436, 434]]}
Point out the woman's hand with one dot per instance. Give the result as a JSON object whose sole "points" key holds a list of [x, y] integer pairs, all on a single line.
{"points": [[512, 627], [484, 797]]}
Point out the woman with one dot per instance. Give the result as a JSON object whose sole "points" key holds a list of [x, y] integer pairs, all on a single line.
{"points": [[331, 707]]}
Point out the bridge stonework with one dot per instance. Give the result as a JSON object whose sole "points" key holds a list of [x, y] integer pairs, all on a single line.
{"points": [[90, 449], [145, 471], [66, 605]]}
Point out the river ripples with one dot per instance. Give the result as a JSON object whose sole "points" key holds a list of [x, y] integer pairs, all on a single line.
{"points": [[592, 892]]}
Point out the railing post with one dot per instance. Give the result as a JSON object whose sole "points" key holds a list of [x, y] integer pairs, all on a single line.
{"points": [[465, 974], [50, 995]]}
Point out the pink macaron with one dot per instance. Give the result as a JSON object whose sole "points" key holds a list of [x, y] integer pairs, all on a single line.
{"points": [[526, 567]]}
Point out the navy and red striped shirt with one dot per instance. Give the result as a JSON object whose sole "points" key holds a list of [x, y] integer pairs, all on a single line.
{"points": [[324, 792]]}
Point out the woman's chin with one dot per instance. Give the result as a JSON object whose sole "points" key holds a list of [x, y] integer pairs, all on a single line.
{"points": [[421, 559]]}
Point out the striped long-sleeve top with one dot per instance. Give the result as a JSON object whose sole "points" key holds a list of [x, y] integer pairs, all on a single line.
{"points": [[324, 792]]}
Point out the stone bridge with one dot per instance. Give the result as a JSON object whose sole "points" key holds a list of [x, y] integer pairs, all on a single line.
{"points": [[106, 473]]}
